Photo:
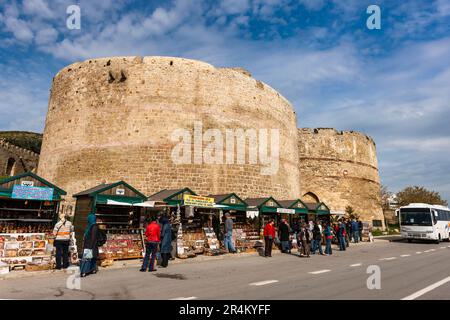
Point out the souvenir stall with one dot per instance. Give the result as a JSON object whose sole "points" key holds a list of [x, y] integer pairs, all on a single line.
{"points": [[28, 212], [245, 226], [117, 207], [318, 211], [194, 217], [297, 212], [268, 208]]}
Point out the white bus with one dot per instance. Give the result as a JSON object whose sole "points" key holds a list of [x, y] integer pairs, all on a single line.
{"points": [[425, 222]]}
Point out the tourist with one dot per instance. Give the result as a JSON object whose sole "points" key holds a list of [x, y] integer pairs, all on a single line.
{"points": [[360, 227], [153, 237], [63, 232], [93, 238], [317, 239], [328, 233], [269, 236], [305, 240], [284, 232], [348, 232], [166, 241], [229, 234], [355, 230], [342, 236]]}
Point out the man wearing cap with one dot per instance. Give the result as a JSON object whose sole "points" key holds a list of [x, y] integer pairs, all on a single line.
{"points": [[229, 234]]}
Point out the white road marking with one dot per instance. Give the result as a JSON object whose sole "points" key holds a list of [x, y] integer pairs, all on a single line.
{"points": [[184, 298], [418, 252], [429, 250], [443, 247], [448, 246], [262, 283], [356, 265], [320, 271], [427, 289], [390, 258], [405, 255]]}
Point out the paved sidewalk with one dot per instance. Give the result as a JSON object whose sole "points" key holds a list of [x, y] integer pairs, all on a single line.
{"points": [[136, 263]]}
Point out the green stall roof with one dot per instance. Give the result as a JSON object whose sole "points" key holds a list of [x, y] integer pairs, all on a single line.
{"points": [[265, 205], [298, 205], [231, 201], [172, 197], [104, 192], [7, 185], [318, 208]]}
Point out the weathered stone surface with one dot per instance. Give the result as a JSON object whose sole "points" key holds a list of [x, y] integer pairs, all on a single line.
{"points": [[15, 160], [341, 169], [112, 118]]}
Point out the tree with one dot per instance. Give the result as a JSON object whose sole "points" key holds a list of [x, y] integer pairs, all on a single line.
{"points": [[350, 212], [417, 194], [385, 195]]}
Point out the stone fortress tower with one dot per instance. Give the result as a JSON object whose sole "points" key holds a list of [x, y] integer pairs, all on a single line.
{"points": [[112, 119], [340, 168]]}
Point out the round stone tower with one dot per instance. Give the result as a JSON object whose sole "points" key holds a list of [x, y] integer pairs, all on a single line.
{"points": [[135, 119], [340, 168]]}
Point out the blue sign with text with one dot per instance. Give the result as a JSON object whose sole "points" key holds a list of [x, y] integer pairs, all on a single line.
{"points": [[32, 193]]}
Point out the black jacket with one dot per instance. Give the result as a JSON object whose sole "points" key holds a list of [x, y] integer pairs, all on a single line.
{"points": [[94, 238], [284, 232]]}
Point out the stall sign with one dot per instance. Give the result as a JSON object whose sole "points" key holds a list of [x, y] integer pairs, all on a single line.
{"points": [[27, 183], [120, 192], [32, 193], [284, 210], [198, 201]]}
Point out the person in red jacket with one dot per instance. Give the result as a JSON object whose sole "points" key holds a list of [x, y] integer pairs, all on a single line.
{"points": [[269, 236], [152, 239]]}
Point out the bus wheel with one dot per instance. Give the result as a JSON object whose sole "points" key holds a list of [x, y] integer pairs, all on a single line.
{"points": [[409, 240], [438, 240]]}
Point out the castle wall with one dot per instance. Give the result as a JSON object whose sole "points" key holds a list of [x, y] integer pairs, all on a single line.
{"points": [[22, 160], [341, 168], [111, 119]]}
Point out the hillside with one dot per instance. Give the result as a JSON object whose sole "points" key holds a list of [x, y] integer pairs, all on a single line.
{"points": [[27, 140]]}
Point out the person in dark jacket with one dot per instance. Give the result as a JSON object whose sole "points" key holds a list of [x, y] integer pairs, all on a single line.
{"points": [[166, 241], [355, 230], [348, 232], [317, 239], [360, 227], [305, 240], [283, 231], [328, 233], [342, 236], [93, 238]]}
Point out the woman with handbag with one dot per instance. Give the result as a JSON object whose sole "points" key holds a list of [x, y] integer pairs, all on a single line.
{"points": [[93, 238]]}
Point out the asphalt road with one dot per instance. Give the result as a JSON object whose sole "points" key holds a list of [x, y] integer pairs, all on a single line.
{"points": [[407, 270]]}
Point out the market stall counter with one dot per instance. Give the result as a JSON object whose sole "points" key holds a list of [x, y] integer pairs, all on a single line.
{"points": [[28, 211], [117, 207]]}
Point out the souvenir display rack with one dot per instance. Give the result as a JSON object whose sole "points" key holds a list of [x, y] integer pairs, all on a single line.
{"points": [[122, 244], [22, 249], [245, 236]]}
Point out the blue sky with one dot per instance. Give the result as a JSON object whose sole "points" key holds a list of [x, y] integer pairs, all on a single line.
{"points": [[393, 83]]}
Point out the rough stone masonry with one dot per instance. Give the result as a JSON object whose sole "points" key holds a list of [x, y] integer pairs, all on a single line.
{"points": [[112, 118]]}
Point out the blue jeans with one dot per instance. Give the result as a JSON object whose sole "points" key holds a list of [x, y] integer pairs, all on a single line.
{"points": [[229, 242], [317, 245], [342, 243], [328, 247], [285, 246], [356, 236], [151, 249]]}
